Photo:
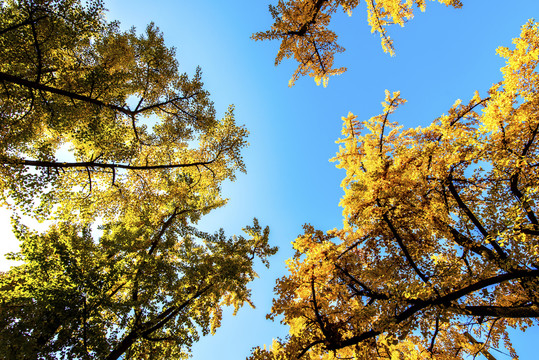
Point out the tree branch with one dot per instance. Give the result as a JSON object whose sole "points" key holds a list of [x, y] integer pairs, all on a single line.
{"points": [[368, 292], [468, 243], [26, 22], [92, 164], [444, 301], [473, 218], [74, 96], [37, 86], [518, 194], [404, 248], [433, 340], [475, 342], [305, 26], [528, 311], [148, 327]]}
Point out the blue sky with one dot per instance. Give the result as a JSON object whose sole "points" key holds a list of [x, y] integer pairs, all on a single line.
{"points": [[441, 55]]}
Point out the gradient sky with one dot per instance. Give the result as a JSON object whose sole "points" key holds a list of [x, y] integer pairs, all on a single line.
{"points": [[441, 55]]}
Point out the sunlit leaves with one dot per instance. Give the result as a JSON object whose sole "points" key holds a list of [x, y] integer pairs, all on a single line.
{"points": [[101, 121], [84, 297], [103, 136], [302, 26], [437, 257]]}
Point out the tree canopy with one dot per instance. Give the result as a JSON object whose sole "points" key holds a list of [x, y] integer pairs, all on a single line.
{"points": [[439, 254], [89, 110], [134, 293], [99, 127], [302, 26]]}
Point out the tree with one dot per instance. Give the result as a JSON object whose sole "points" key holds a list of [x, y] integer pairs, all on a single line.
{"points": [[101, 122], [137, 293], [98, 127], [302, 28], [440, 245]]}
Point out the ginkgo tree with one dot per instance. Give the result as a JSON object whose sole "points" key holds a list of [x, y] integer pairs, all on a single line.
{"points": [[99, 119], [136, 293], [439, 253], [99, 127], [302, 26]]}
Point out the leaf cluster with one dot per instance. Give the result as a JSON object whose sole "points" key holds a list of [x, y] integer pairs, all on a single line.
{"points": [[302, 26]]}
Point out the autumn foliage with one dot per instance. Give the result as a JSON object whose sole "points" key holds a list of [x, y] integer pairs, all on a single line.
{"points": [[439, 254], [302, 26], [99, 121], [104, 137]]}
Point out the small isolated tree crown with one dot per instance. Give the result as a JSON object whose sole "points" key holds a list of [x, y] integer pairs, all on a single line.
{"points": [[302, 26]]}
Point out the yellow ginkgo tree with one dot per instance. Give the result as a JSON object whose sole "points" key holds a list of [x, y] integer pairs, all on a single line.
{"points": [[99, 121], [99, 127], [302, 26], [439, 253]]}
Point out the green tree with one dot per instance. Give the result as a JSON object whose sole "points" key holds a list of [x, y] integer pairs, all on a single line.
{"points": [[440, 243], [97, 125], [136, 293]]}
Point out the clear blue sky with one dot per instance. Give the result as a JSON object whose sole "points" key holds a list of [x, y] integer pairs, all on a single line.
{"points": [[442, 55]]}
